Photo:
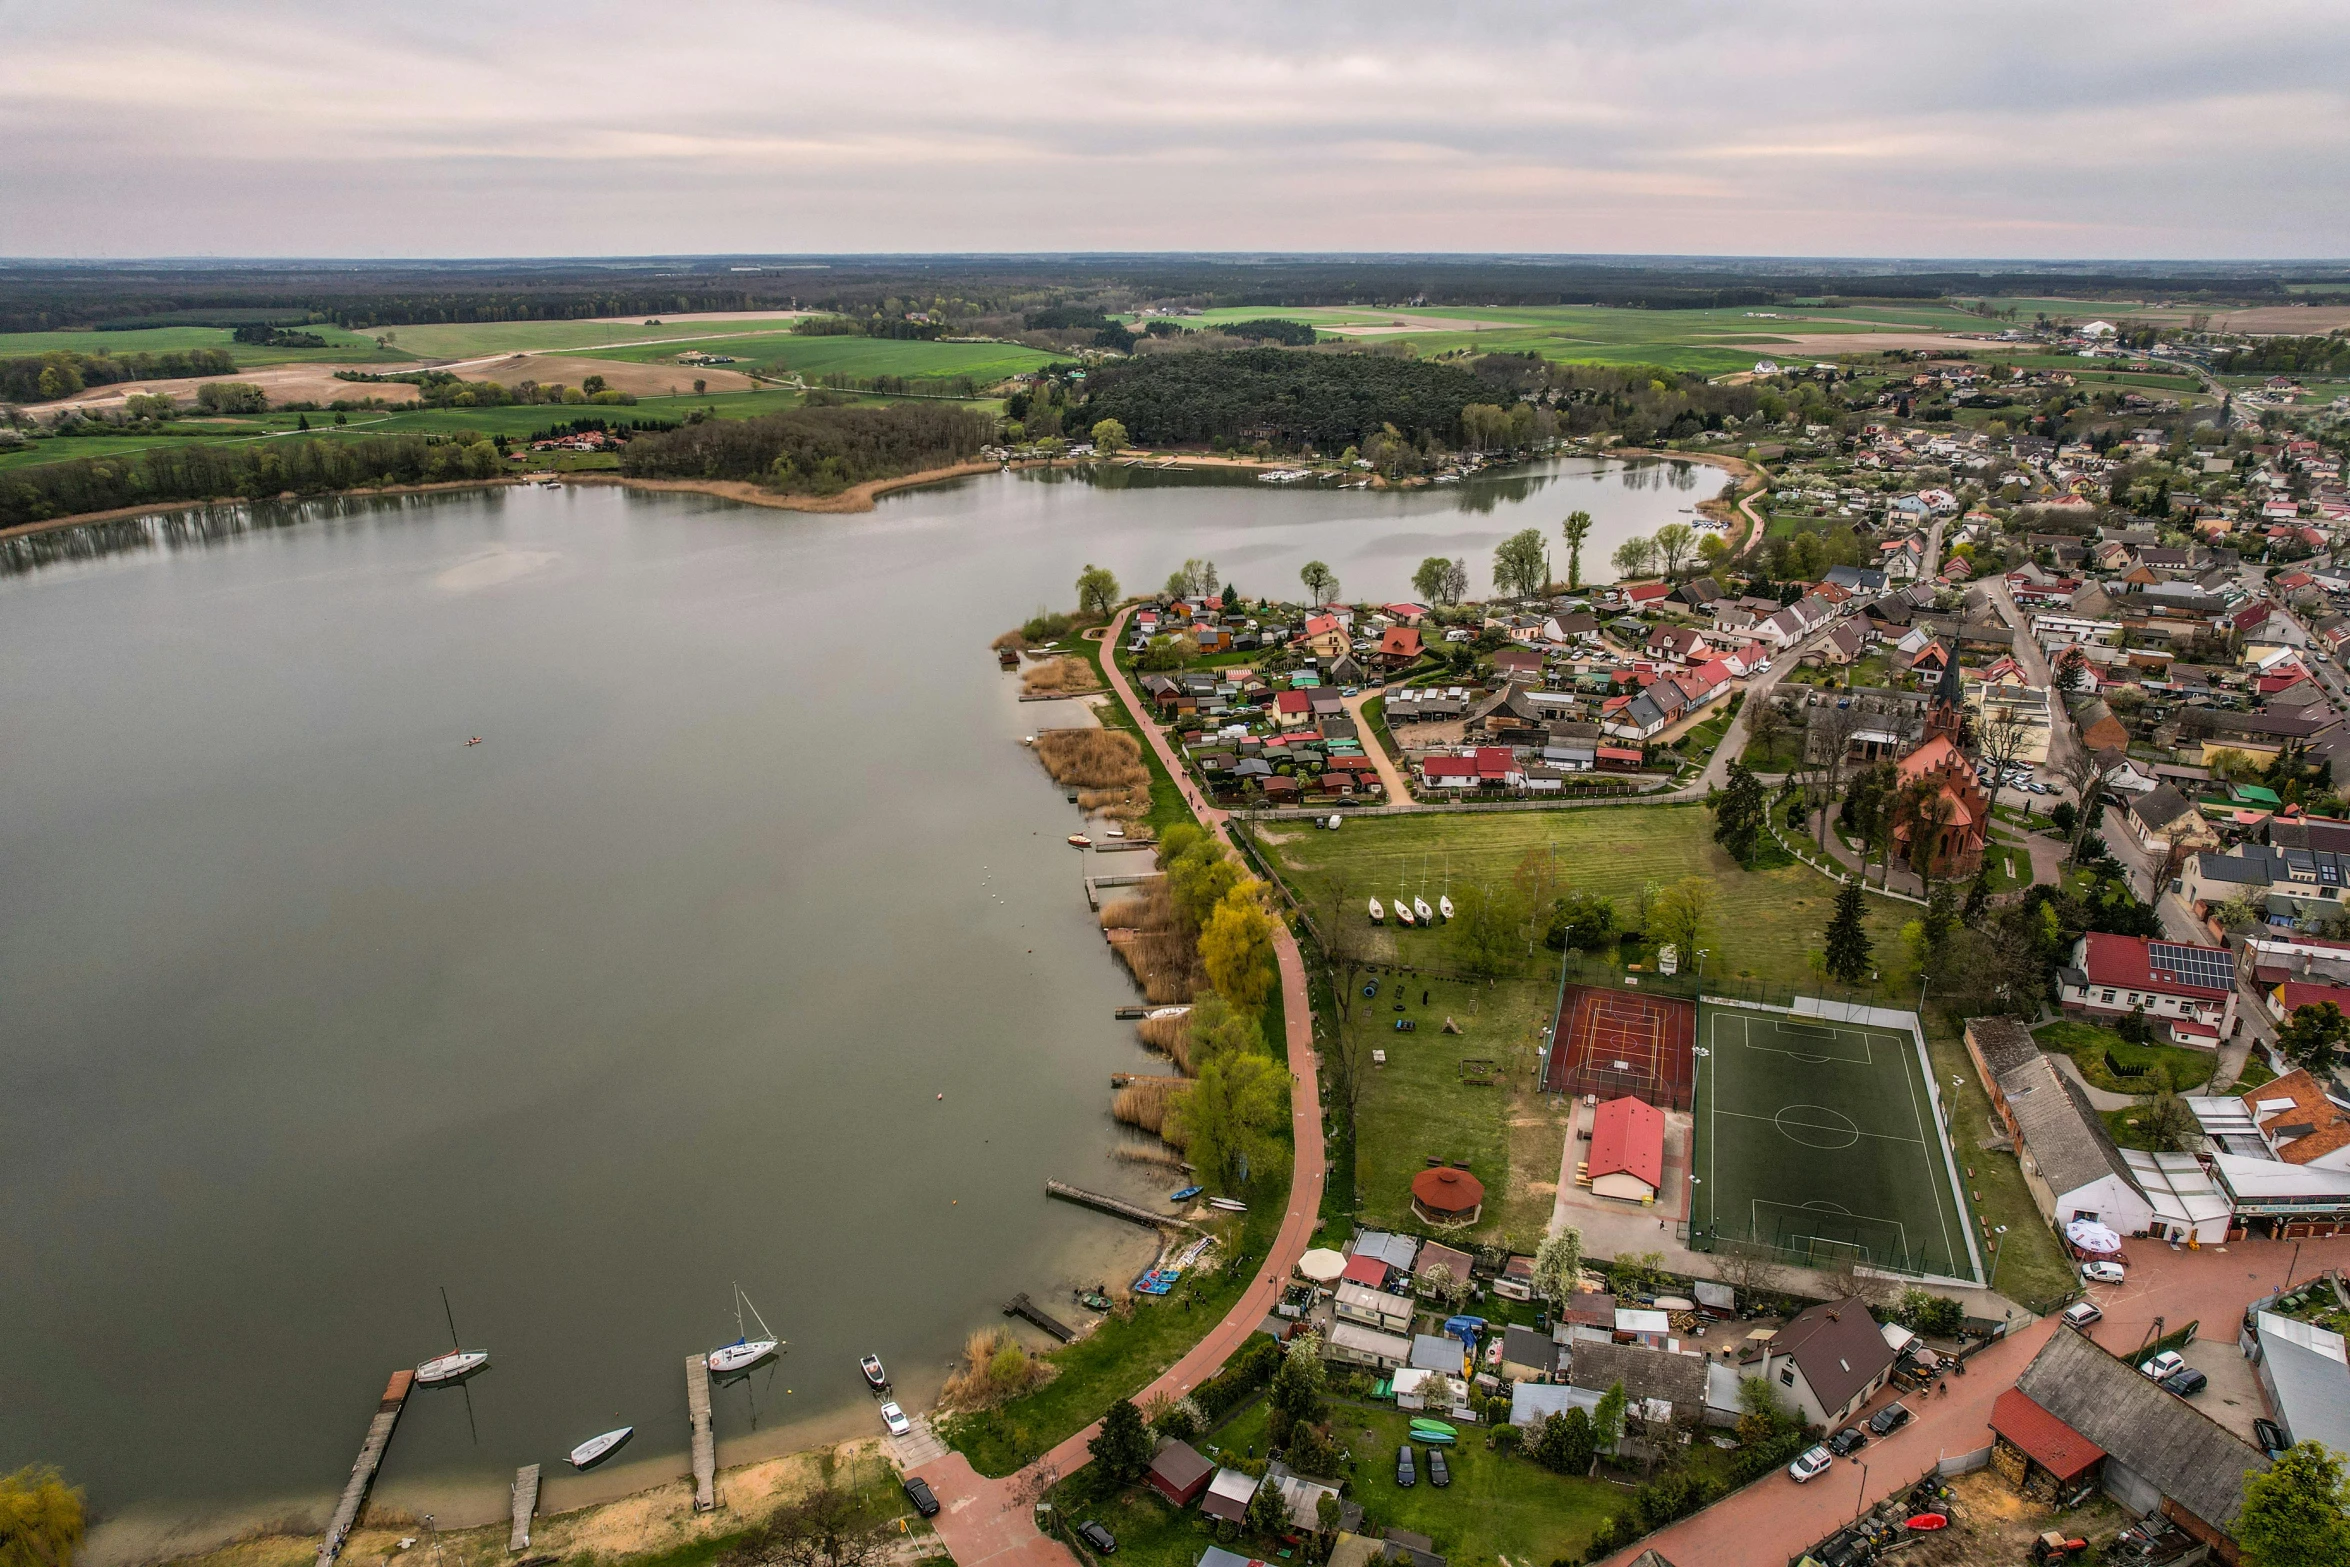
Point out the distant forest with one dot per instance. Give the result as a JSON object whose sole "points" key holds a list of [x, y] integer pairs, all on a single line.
{"points": [[1286, 396], [2287, 356], [248, 470], [813, 451], [38, 296], [39, 378]]}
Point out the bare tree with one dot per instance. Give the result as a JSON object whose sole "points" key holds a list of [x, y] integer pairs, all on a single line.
{"points": [[827, 1527], [1346, 952], [2087, 774], [1828, 737], [1766, 725], [2002, 736]]}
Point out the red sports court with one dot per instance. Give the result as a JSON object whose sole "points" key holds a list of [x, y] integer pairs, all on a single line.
{"points": [[1612, 1042]]}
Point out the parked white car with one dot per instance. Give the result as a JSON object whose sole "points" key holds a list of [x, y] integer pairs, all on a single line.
{"points": [[2164, 1364], [1810, 1465], [2102, 1273], [895, 1419]]}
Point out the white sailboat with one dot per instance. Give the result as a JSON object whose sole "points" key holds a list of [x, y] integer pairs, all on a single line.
{"points": [[596, 1449], [1444, 907], [1403, 911], [460, 1362], [1420, 907], [745, 1352], [1378, 914]]}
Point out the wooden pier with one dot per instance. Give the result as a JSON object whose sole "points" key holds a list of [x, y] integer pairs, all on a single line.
{"points": [[1021, 1306], [697, 1408], [1116, 1208], [1095, 884], [526, 1502], [371, 1457]]}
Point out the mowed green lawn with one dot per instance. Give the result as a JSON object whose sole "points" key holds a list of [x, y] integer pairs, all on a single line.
{"points": [[470, 339], [1764, 922], [1816, 1129], [342, 346]]}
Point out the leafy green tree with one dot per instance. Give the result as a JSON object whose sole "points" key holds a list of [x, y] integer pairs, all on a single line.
{"points": [[1123, 1448], [1109, 437], [1521, 565], [41, 1519], [1267, 1513], [1635, 557], [1321, 583], [1607, 1418], [1441, 581], [1236, 947], [1327, 1512], [1683, 916], [1097, 591], [1577, 528], [1673, 543], [1301, 1384], [1738, 814], [1558, 1262], [1581, 920], [1848, 940], [1225, 1122], [1564, 1444], [1487, 924], [2310, 1037], [2293, 1515]]}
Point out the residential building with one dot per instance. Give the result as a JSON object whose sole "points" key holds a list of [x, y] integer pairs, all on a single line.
{"points": [[2289, 885], [2070, 1163], [1352, 1345], [1827, 1361], [1661, 1386], [2163, 819], [1372, 1308], [2187, 992], [1178, 1472], [1228, 1496]]}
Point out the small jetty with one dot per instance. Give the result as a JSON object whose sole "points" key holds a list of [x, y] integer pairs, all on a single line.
{"points": [[526, 1502], [1028, 1311], [697, 1408], [1127, 846], [371, 1457], [1116, 1208], [1130, 1014], [1095, 884]]}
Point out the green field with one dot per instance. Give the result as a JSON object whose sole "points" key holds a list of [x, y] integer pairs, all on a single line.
{"points": [[1819, 1140], [1709, 341], [472, 339], [1765, 921], [862, 357], [343, 346]]}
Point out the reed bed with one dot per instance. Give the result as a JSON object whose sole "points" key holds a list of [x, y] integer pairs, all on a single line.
{"points": [[994, 1368], [1125, 914], [1143, 1153], [1108, 759], [1061, 677], [1146, 1101], [1014, 639]]}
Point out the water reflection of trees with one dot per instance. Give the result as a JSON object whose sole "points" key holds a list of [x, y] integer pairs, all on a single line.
{"points": [[205, 526]]}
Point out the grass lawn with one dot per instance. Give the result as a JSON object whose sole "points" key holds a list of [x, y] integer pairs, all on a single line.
{"points": [[1121, 1357], [1418, 1106], [2088, 1044], [1764, 921]]}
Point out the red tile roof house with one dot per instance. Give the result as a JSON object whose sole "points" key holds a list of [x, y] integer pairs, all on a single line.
{"points": [[2188, 992], [1646, 595], [1627, 1150], [2300, 1122], [1292, 708], [1678, 645], [1488, 767], [1399, 646]]}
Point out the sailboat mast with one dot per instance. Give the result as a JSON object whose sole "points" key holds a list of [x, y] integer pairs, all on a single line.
{"points": [[452, 1316]]}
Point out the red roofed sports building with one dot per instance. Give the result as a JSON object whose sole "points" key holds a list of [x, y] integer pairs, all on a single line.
{"points": [[2188, 992], [1627, 1150]]}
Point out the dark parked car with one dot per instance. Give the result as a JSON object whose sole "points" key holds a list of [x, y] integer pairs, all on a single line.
{"points": [[1098, 1537], [1848, 1440], [918, 1492], [2269, 1435], [1888, 1420], [2186, 1383], [1406, 1472], [1439, 1472]]}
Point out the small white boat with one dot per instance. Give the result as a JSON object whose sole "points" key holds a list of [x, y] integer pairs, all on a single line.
{"points": [[1420, 907], [1113, 832], [1444, 907], [1335, 819], [1403, 912], [596, 1449], [1378, 914], [745, 1352], [455, 1364], [875, 1377], [1228, 1204], [1078, 840]]}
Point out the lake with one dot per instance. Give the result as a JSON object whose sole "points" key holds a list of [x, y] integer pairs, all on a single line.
{"points": [[313, 1009]]}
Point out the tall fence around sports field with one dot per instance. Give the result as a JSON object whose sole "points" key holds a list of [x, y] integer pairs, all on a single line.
{"points": [[1691, 982]]}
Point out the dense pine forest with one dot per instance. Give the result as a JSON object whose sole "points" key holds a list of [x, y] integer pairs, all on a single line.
{"points": [[813, 451]]}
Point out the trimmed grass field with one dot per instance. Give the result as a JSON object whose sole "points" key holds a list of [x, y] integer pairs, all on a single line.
{"points": [[471, 339], [1819, 1139], [1764, 921], [343, 346], [862, 357]]}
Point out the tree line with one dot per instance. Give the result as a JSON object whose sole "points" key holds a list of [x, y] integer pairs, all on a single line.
{"points": [[441, 389], [1293, 399], [245, 470], [42, 378], [813, 451]]}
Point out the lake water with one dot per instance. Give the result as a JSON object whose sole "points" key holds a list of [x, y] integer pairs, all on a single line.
{"points": [[312, 1009]]}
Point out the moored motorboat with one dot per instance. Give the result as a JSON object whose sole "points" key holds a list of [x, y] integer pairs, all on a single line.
{"points": [[1113, 832], [1378, 914], [455, 1364], [596, 1449], [1078, 840], [875, 1377]]}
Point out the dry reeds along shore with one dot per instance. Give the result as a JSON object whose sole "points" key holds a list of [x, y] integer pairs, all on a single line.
{"points": [[1059, 677], [1142, 931], [1146, 1103], [994, 1368]]}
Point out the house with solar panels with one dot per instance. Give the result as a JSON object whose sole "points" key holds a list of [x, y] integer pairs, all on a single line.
{"points": [[2187, 993]]}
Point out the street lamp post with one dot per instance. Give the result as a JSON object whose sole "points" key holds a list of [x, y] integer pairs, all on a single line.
{"points": [[1998, 1244], [1860, 1503]]}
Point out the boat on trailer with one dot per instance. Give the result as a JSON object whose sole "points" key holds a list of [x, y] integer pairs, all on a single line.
{"points": [[1378, 914], [875, 1377], [1403, 912]]}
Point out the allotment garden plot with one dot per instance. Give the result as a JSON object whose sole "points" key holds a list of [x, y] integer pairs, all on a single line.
{"points": [[1819, 1139]]}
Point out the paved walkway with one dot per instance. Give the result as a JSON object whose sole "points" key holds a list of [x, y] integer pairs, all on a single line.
{"points": [[993, 1521], [1390, 776], [2099, 1098], [1774, 1519]]}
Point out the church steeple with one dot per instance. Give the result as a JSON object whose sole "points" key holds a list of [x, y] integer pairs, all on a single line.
{"points": [[1946, 715]]}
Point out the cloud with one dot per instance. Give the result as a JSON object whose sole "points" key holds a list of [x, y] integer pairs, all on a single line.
{"points": [[906, 125]]}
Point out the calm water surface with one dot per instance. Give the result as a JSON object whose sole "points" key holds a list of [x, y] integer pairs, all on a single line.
{"points": [[311, 1009]]}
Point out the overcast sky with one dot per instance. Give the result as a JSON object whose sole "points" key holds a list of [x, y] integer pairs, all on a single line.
{"points": [[2053, 128]]}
